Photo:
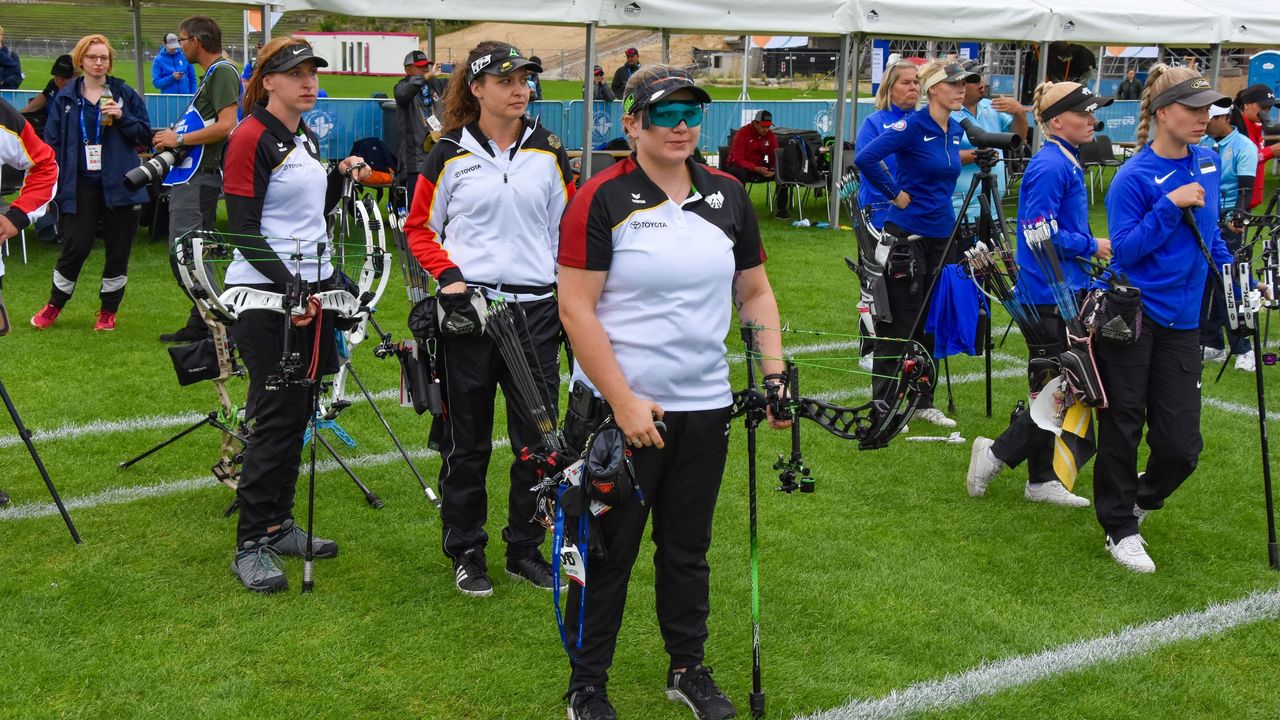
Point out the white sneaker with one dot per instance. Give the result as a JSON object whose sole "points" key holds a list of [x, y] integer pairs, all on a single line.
{"points": [[981, 469], [1054, 493], [1245, 362], [935, 416], [865, 362], [1130, 553], [1140, 514], [1213, 355]]}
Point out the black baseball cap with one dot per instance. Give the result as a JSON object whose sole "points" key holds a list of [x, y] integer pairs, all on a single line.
{"points": [[764, 117], [1197, 92], [418, 58], [1080, 99], [660, 86], [62, 67], [1258, 93], [502, 60], [290, 57]]}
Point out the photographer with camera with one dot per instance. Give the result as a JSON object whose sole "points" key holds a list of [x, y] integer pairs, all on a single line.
{"points": [[1155, 378], [1001, 115], [193, 196], [1053, 187], [22, 149], [485, 223], [654, 251], [1239, 157], [95, 125], [926, 145], [278, 192]]}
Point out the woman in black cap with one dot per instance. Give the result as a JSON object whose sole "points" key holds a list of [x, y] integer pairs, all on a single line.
{"points": [[653, 250], [1154, 380], [602, 91], [1053, 187], [498, 181], [278, 192], [1251, 105]]}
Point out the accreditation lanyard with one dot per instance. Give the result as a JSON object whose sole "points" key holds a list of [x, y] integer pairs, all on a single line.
{"points": [[92, 150]]}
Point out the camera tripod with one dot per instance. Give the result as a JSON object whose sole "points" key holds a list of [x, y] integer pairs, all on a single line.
{"points": [[25, 434]]}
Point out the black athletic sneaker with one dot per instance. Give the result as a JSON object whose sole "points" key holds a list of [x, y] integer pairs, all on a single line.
{"points": [[590, 703], [4, 498], [470, 575], [291, 540], [695, 688], [533, 569]]}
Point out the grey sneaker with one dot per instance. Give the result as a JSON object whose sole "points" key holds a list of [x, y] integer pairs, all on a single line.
{"points": [[470, 575], [1213, 355], [291, 540], [257, 565], [590, 703], [695, 688]]}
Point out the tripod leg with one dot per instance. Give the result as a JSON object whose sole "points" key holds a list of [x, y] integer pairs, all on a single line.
{"points": [[1007, 328], [426, 489], [35, 456], [208, 420], [1273, 553], [1231, 352], [951, 400], [374, 501]]}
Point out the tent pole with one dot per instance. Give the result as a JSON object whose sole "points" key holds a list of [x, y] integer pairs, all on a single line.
{"points": [[588, 102], [1041, 75], [837, 150], [1097, 79], [746, 67], [431, 39], [1217, 62], [666, 47], [139, 52], [1017, 71], [244, 32], [266, 23]]}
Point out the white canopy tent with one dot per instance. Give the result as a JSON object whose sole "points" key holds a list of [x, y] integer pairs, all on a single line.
{"points": [[970, 20], [1133, 22]]}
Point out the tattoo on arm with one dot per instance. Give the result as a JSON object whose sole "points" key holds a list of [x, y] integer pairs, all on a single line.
{"points": [[737, 296], [753, 345]]}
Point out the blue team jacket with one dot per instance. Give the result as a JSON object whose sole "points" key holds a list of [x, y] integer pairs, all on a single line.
{"points": [[1053, 185], [928, 165], [1151, 243], [163, 68], [872, 127], [120, 143]]}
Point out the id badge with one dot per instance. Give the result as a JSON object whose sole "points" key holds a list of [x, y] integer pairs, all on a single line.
{"points": [[93, 158], [434, 123]]}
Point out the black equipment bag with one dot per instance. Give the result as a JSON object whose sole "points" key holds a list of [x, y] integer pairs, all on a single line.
{"points": [[195, 362], [798, 156]]}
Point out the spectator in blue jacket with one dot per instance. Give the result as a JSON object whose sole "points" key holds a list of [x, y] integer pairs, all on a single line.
{"points": [[1053, 186], [896, 98], [1155, 380], [926, 144], [10, 66], [171, 72], [95, 137]]}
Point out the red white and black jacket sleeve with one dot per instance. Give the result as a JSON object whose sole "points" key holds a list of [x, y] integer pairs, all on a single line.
{"points": [[427, 214], [246, 171], [21, 148]]}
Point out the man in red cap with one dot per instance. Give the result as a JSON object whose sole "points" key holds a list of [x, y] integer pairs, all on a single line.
{"points": [[753, 157], [623, 74]]}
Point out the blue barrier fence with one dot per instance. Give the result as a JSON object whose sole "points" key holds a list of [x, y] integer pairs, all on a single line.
{"points": [[340, 122]]}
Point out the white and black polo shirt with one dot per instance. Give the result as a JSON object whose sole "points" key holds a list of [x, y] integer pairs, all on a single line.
{"points": [[666, 303], [276, 187]]}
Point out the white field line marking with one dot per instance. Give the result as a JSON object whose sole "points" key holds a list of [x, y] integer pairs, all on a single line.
{"points": [[994, 677], [123, 495]]}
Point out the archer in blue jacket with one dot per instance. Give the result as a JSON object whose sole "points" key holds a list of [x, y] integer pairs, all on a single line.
{"points": [[171, 72], [96, 141], [1155, 380], [1053, 186], [895, 99], [926, 146]]}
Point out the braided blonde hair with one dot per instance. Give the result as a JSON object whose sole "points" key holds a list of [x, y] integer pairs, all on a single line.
{"points": [[1160, 77], [1048, 93]]}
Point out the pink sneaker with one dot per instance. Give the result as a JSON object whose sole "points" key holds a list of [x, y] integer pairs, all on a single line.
{"points": [[45, 318], [106, 321]]}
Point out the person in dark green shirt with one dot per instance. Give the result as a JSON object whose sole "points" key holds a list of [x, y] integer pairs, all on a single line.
{"points": [[194, 204]]}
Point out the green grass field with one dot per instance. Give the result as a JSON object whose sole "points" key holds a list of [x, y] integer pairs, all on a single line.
{"points": [[357, 86], [888, 575]]}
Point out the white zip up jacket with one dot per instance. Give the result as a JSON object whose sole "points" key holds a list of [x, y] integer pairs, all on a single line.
{"points": [[490, 217]]}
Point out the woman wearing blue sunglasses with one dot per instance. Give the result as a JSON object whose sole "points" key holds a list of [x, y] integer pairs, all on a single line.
{"points": [[650, 251]]}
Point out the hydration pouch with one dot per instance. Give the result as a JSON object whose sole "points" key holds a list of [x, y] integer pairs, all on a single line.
{"points": [[1043, 364], [195, 362], [611, 477], [461, 314]]}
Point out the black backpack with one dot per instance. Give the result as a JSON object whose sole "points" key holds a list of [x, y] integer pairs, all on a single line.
{"points": [[376, 154]]}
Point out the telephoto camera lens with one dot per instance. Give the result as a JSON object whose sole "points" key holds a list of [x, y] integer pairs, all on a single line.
{"points": [[154, 169]]}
